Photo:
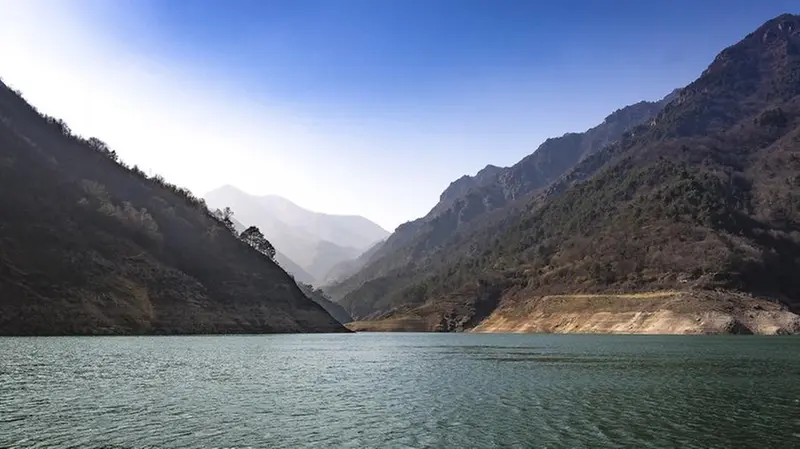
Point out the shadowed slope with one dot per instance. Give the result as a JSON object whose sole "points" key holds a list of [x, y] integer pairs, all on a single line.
{"points": [[90, 246]]}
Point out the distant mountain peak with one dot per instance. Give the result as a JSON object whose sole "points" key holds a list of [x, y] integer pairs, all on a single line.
{"points": [[284, 202], [312, 241], [227, 187]]}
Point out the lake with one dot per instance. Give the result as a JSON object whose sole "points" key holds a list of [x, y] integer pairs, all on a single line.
{"points": [[400, 391]]}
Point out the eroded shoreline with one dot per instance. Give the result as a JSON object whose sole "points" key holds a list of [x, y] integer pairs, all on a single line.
{"points": [[660, 312]]}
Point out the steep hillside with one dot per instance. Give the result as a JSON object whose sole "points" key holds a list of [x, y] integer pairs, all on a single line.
{"points": [[319, 297], [472, 199], [288, 265], [345, 269], [326, 256], [91, 246], [314, 241], [295, 270], [704, 198]]}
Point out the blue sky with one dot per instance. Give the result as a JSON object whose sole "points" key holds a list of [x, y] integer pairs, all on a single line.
{"points": [[367, 107]]}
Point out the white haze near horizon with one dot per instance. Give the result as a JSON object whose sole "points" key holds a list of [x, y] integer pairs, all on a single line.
{"points": [[200, 126], [196, 133]]}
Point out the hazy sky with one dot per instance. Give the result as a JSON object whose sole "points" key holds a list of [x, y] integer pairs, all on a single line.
{"points": [[367, 107]]}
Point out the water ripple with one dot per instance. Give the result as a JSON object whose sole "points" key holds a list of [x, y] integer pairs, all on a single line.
{"points": [[400, 391]]}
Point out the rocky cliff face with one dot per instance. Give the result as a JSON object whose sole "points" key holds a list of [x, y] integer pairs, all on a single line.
{"points": [[89, 245]]}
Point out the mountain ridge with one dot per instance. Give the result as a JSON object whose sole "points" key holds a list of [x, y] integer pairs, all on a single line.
{"points": [[701, 197], [494, 188], [312, 241]]}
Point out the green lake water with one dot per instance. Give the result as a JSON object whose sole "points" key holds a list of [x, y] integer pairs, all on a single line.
{"points": [[400, 391]]}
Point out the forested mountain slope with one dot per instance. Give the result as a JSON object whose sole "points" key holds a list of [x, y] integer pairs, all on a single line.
{"points": [[703, 198], [91, 246], [473, 198]]}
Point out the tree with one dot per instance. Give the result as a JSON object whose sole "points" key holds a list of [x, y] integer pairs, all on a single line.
{"points": [[225, 216], [102, 148], [253, 237], [61, 124]]}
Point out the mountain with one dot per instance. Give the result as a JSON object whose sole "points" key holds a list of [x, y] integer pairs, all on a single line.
{"points": [[298, 273], [319, 297], [347, 268], [303, 281], [689, 222], [493, 188], [315, 242], [343, 230], [89, 245]]}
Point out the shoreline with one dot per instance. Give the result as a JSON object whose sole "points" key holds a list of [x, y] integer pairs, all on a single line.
{"points": [[651, 313]]}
